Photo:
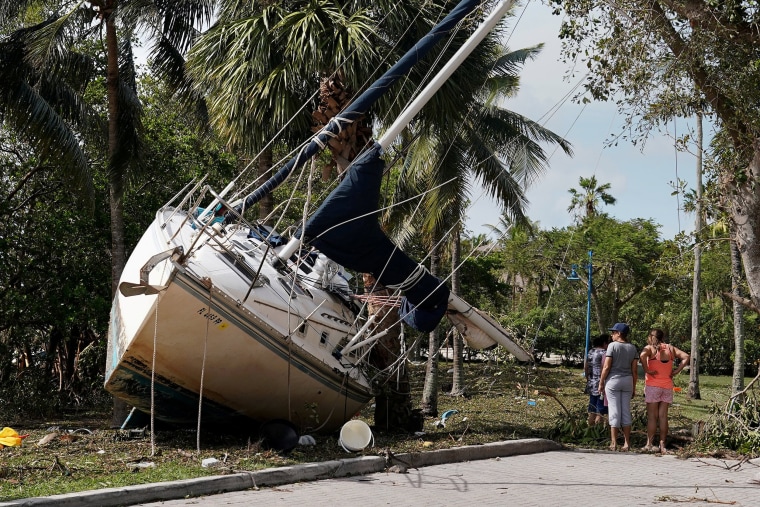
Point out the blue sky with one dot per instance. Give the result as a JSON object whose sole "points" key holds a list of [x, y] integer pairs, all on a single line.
{"points": [[640, 179]]}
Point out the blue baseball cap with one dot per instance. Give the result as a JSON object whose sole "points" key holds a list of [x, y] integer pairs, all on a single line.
{"points": [[622, 328]]}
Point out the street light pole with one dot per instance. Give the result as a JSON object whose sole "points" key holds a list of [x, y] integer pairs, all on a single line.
{"points": [[574, 278], [588, 308]]}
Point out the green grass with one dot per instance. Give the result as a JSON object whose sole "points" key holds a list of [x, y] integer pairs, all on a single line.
{"points": [[504, 402], [713, 390]]}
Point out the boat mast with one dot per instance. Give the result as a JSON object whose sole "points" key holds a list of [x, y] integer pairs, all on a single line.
{"points": [[445, 73]]}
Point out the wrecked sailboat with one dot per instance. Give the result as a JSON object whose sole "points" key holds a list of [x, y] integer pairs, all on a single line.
{"points": [[219, 318]]}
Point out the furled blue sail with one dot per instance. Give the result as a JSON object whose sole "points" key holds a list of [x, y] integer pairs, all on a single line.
{"points": [[346, 229]]}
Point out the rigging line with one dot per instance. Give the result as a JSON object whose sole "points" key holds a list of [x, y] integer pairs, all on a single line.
{"points": [[577, 117], [203, 375], [517, 23], [554, 109], [551, 293], [291, 198], [378, 210], [153, 384], [609, 129], [678, 192], [299, 261], [272, 141]]}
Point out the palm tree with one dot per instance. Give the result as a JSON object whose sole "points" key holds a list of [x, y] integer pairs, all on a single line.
{"points": [[48, 67], [588, 198], [262, 61], [46, 70]]}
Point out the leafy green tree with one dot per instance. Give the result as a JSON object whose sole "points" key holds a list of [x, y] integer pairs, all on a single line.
{"points": [[627, 268], [54, 295], [661, 59]]}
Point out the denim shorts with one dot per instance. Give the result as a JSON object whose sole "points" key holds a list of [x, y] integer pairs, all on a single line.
{"points": [[596, 405]]}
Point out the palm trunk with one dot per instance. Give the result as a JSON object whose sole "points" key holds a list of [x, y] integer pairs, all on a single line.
{"points": [[393, 400], [694, 365], [429, 402], [115, 180], [266, 204], [457, 384], [738, 312]]}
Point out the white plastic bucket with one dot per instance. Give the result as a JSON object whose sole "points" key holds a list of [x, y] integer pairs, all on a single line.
{"points": [[355, 435]]}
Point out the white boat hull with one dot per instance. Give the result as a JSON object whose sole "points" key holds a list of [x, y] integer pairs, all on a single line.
{"points": [[268, 358]]}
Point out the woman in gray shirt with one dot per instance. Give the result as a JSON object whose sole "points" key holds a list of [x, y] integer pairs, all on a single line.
{"points": [[618, 382]]}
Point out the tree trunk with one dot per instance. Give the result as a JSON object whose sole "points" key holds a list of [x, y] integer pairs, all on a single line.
{"points": [[694, 365], [457, 385], [115, 181], [745, 212], [266, 204], [736, 273], [430, 390], [393, 399]]}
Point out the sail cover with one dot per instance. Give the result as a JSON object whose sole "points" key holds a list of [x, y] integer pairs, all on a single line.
{"points": [[346, 229]]}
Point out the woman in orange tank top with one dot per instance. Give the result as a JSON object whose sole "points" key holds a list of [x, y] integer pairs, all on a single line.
{"points": [[657, 358]]}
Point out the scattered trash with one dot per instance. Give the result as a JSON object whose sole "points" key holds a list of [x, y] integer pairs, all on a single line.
{"points": [[141, 464], [531, 403], [427, 443], [48, 438], [355, 435], [441, 423], [419, 433], [10, 438], [209, 462], [307, 440]]}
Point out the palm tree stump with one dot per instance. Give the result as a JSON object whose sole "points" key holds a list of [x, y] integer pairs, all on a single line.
{"points": [[393, 395]]}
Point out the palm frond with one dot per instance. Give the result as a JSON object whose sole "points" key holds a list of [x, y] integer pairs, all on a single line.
{"points": [[40, 124], [47, 43]]}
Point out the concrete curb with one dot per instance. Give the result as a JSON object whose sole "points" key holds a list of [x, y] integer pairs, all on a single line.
{"points": [[130, 495]]}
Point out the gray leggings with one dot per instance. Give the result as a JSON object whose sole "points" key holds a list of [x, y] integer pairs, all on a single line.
{"points": [[618, 391]]}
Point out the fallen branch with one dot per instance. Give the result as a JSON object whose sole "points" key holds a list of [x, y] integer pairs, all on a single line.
{"points": [[551, 395]]}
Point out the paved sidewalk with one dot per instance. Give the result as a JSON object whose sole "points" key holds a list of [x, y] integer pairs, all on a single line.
{"points": [[132, 495], [520, 472], [555, 478]]}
